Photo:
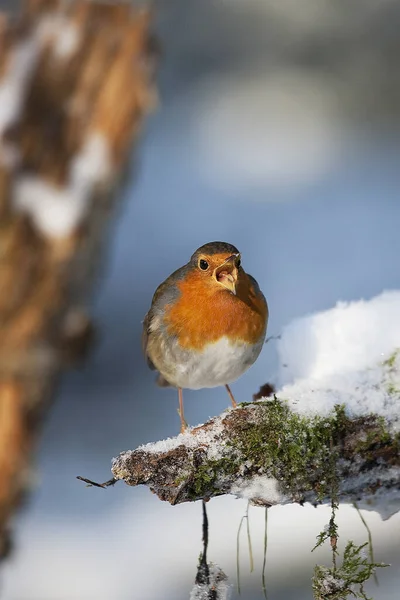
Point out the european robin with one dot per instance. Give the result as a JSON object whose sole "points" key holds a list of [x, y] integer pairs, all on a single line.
{"points": [[207, 323]]}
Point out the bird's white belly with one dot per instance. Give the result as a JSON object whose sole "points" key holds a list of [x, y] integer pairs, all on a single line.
{"points": [[219, 363]]}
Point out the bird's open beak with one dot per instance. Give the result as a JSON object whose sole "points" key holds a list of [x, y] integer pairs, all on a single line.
{"points": [[227, 273]]}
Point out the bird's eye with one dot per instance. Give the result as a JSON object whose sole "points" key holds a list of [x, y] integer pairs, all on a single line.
{"points": [[203, 264], [238, 263]]}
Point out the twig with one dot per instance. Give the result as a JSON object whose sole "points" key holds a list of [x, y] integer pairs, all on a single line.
{"points": [[203, 571], [264, 587], [272, 337], [237, 554], [249, 540], [371, 549], [91, 483], [246, 516]]}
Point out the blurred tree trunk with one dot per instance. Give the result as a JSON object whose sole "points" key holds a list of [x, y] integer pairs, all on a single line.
{"points": [[75, 83]]}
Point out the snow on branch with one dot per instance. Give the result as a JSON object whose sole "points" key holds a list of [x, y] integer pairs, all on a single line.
{"points": [[333, 430]]}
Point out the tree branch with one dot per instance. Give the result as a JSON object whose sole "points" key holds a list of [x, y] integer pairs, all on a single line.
{"points": [[269, 454]]}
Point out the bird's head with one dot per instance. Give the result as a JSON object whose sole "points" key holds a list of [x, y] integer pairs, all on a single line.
{"points": [[218, 264]]}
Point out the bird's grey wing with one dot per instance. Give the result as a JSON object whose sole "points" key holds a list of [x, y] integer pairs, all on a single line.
{"points": [[145, 339], [166, 293], [161, 381], [147, 323]]}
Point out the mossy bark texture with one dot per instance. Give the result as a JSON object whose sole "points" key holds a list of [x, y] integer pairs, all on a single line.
{"points": [[307, 458]]}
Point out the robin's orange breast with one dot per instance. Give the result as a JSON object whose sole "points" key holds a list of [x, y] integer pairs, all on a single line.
{"points": [[203, 314]]}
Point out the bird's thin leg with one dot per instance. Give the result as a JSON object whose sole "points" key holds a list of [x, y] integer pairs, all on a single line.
{"points": [[180, 411], [231, 396]]}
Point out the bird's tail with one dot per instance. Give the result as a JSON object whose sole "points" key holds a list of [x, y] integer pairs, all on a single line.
{"points": [[162, 382]]}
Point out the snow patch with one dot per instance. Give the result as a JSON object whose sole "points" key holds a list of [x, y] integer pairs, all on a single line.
{"points": [[54, 211], [217, 587], [58, 211], [350, 337], [15, 80], [259, 487], [210, 437], [346, 355], [65, 38], [13, 85], [332, 585], [385, 502], [63, 35]]}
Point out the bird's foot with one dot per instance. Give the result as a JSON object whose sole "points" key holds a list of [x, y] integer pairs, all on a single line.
{"points": [[231, 396], [184, 424]]}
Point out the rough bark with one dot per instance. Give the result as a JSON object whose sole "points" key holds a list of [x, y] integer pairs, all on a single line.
{"points": [[269, 454], [75, 83]]}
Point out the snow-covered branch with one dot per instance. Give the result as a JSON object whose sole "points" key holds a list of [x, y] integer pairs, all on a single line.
{"points": [[270, 455]]}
